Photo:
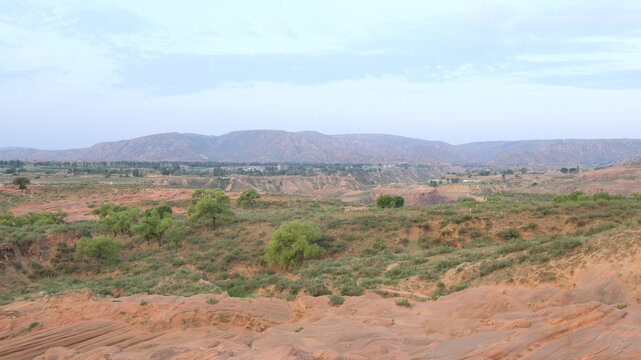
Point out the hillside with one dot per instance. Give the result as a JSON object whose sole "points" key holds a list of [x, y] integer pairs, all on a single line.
{"points": [[314, 147], [257, 146], [554, 153], [512, 277]]}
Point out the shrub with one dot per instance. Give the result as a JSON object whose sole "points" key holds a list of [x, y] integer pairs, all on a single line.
{"points": [[561, 198], [603, 195], [212, 301], [604, 226], [575, 195], [403, 302], [336, 300], [456, 219], [316, 287], [508, 234], [475, 233], [351, 288], [390, 201], [425, 242], [292, 243], [487, 267], [40, 271], [248, 198]]}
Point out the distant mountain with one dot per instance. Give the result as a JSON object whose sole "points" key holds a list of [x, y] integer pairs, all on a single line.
{"points": [[282, 146], [554, 153], [257, 145]]}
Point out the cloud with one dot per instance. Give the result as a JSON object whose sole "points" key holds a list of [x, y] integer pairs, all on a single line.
{"points": [[405, 67]]}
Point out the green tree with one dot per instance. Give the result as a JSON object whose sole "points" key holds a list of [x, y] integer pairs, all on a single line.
{"points": [[21, 181], [208, 205], [107, 208], [390, 201], [175, 234], [100, 248], [292, 243], [120, 219], [248, 198], [154, 223]]}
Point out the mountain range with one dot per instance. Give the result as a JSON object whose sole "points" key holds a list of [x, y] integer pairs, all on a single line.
{"points": [[314, 147]]}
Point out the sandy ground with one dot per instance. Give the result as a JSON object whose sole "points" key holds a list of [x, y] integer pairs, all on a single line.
{"points": [[78, 208], [480, 323]]}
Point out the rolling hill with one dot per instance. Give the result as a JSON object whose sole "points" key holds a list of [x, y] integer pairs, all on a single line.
{"points": [[282, 146]]}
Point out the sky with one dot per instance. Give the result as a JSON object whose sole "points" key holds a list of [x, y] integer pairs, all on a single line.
{"points": [[77, 72]]}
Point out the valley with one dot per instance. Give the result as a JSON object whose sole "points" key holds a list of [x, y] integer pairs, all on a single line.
{"points": [[492, 258]]}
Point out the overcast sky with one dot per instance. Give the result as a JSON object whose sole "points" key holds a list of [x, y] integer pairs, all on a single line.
{"points": [[73, 73]]}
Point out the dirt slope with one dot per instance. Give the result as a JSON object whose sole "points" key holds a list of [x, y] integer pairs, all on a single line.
{"points": [[481, 323]]}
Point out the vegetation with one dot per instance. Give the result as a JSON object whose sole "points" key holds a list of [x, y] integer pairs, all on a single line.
{"points": [[21, 182], [248, 198], [119, 219], [327, 249], [292, 243], [336, 300], [175, 234], [390, 201], [154, 223], [206, 205], [100, 248]]}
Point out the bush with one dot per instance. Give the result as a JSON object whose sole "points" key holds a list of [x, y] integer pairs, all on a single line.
{"points": [[456, 219], [509, 234], [248, 198], [603, 195], [292, 243], [558, 199], [475, 233], [488, 267], [351, 288], [316, 287], [336, 300], [389, 201], [604, 226], [403, 302]]}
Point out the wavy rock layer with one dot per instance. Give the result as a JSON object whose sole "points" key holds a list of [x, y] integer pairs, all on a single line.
{"points": [[480, 323]]}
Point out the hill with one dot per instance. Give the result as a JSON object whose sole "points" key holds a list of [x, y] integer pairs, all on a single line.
{"points": [[314, 147], [554, 153], [258, 146]]}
